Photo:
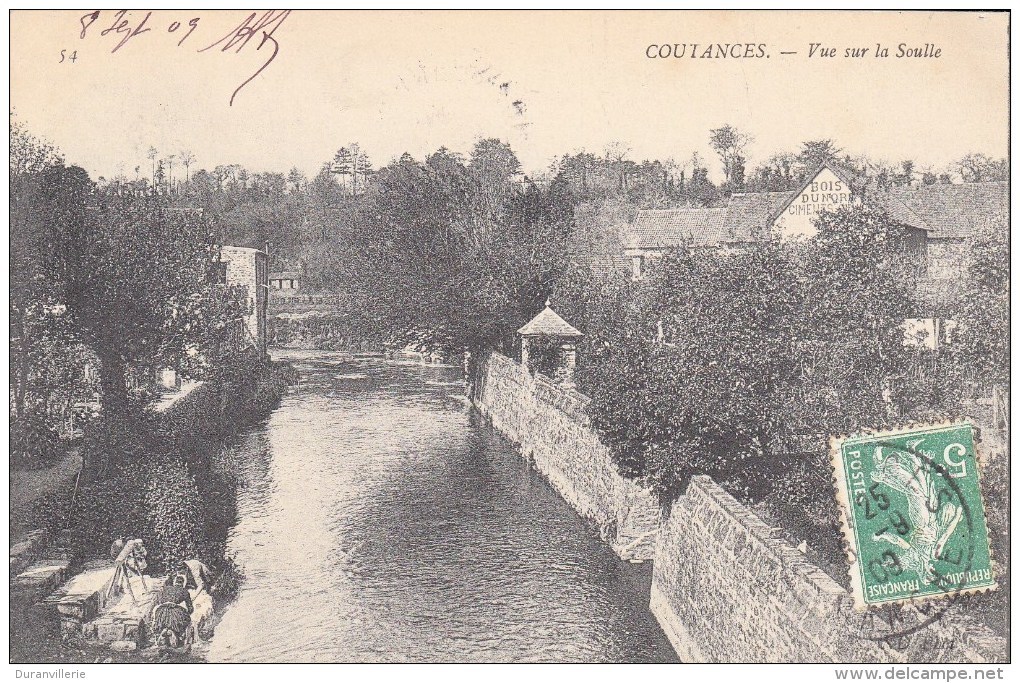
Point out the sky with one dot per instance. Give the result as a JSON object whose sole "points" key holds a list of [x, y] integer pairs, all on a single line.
{"points": [[549, 83]]}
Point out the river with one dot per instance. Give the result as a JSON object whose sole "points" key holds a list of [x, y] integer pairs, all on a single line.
{"points": [[379, 519]]}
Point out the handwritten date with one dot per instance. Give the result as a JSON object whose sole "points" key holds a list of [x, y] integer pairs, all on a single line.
{"points": [[122, 25]]}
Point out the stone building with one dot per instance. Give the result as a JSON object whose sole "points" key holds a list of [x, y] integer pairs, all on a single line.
{"points": [[250, 268], [940, 218]]}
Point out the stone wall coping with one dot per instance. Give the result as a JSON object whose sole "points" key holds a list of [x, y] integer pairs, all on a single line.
{"points": [[773, 544]]}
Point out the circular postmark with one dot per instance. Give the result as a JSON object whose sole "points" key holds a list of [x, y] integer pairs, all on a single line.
{"points": [[910, 547]]}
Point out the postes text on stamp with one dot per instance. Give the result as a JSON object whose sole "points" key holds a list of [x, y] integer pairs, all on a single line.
{"points": [[912, 514]]}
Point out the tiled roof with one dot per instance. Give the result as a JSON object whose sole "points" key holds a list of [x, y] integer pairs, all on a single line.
{"points": [[748, 212], [900, 212], [943, 210], [956, 210], [548, 323], [675, 227]]}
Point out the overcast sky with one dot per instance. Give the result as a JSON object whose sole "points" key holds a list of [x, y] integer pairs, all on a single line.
{"points": [[549, 83]]}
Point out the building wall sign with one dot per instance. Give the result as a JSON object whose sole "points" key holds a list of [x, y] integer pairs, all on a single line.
{"points": [[826, 192]]}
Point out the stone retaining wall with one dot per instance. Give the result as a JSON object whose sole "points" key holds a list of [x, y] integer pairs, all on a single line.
{"points": [[549, 425], [725, 588]]}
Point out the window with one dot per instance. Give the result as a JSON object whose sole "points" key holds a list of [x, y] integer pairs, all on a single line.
{"points": [[637, 264]]}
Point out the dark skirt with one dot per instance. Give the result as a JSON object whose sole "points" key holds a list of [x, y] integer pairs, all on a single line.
{"points": [[170, 616]]}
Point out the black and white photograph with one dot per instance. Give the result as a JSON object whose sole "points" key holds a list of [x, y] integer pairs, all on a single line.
{"points": [[505, 337]]}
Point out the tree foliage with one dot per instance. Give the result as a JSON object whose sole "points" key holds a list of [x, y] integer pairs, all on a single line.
{"points": [[730, 144], [730, 355], [984, 336]]}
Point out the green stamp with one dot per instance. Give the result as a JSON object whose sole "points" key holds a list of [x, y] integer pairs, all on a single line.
{"points": [[912, 513]]}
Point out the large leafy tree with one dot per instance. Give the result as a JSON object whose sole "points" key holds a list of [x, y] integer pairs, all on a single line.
{"points": [[729, 355], [858, 274], [47, 356], [128, 271], [702, 368]]}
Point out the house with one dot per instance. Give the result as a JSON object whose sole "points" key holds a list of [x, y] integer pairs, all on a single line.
{"points": [[940, 218], [249, 268], [287, 279]]}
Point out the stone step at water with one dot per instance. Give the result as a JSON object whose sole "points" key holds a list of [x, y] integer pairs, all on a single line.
{"points": [[118, 621], [124, 618], [80, 599], [109, 630], [41, 577]]}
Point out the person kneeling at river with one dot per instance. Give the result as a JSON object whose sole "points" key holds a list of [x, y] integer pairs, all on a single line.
{"points": [[197, 576], [171, 617]]}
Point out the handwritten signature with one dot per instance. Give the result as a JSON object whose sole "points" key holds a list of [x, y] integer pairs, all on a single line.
{"points": [[260, 27]]}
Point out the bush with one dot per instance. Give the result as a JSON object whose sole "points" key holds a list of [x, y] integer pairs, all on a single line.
{"points": [[139, 485], [173, 523]]}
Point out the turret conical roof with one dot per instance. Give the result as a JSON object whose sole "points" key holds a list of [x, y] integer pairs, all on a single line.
{"points": [[548, 324]]}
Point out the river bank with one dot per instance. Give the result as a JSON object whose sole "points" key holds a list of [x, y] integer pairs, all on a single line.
{"points": [[372, 517], [149, 477]]}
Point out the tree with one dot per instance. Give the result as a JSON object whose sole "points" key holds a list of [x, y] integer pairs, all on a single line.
{"points": [[977, 168], [699, 190], [691, 391], [492, 165], [296, 179], [343, 164], [160, 176], [906, 176], [126, 269], [983, 346], [152, 154], [29, 154], [813, 153], [187, 158], [777, 174], [579, 170], [860, 286], [810, 340], [729, 143], [616, 158], [47, 359], [445, 255], [170, 172], [362, 166]]}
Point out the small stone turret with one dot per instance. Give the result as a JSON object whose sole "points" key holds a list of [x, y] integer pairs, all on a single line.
{"points": [[549, 325]]}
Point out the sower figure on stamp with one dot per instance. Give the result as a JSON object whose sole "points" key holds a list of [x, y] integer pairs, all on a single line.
{"points": [[931, 519]]}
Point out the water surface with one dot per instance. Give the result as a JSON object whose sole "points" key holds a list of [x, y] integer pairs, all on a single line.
{"points": [[380, 520]]}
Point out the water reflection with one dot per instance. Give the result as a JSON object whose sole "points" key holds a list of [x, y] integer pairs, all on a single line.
{"points": [[379, 520]]}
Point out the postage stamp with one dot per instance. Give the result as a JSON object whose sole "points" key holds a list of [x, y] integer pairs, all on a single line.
{"points": [[912, 513]]}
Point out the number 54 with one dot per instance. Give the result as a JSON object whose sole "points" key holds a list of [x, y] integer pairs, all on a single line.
{"points": [[63, 56]]}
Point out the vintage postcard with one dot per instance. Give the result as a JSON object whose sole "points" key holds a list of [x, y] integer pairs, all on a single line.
{"points": [[509, 336]]}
